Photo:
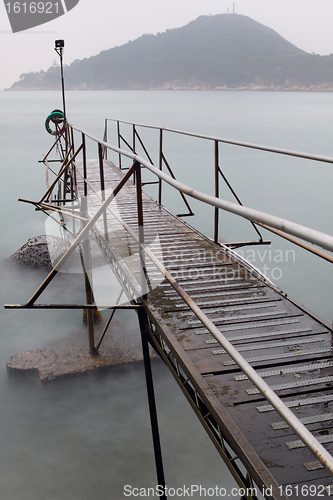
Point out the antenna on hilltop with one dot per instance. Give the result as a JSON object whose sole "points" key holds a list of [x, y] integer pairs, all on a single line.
{"points": [[233, 8]]}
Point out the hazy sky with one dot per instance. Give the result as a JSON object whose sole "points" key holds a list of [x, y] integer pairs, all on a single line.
{"points": [[95, 25]]}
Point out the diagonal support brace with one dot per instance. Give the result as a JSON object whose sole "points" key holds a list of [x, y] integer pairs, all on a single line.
{"points": [[81, 236]]}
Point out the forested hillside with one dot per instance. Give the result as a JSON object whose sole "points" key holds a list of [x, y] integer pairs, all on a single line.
{"points": [[212, 52]]}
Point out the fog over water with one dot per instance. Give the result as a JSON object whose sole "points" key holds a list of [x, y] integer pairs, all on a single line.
{"points": [[87, 436]]}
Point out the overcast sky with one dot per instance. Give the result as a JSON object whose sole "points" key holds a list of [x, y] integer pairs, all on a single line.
{"points": [[95, 25]]}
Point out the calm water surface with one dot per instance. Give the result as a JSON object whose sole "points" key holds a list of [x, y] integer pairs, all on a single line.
{"points": [[86, 437]]}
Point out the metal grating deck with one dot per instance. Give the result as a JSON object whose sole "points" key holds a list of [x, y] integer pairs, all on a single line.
{"points": [[290, 348]]}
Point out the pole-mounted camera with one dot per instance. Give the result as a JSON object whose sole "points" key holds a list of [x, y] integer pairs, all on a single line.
{"points": [[59, 47]]}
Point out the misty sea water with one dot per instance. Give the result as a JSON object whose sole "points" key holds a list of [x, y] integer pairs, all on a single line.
{"points": [[86, 437]]}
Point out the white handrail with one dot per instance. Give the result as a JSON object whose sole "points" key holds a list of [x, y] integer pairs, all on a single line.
{"points": [[301, 431], [311, 235], [260, 147]]}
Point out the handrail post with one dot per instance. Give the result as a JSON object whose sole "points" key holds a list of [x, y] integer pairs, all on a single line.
{"points": [[160, 167], [73, 172], [105, 139], [133, 138], [72, 139], [152, 404], [118, 133], [87, 269], [101, 174], [141, 228], [217, 192], [85, 187]]}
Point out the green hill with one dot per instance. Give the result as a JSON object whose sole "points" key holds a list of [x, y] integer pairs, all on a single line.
{"points": [[212, 52]]}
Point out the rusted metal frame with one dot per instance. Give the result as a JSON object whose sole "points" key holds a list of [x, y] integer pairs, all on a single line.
{"points": [[143, 146], [300, 430], [214, 425], [50, 151], [132, 233], [148, 183], [181, 194], [300, 243], [160, 166], [55, 209], [316, 237], [314, 446], [308, 234], [73, 170], [84, 156], [143, 269], [93, 307], [87, 271], [50, 161], [59, 195], [133, 138], [249, 484], [63, 152], [127, 144], [217, 191], [237, 198], [109, 322], [68, 200], [57, 221], [105, 139], [46, 206], [238, 244], [152, 403], [72, 140], [122, 274], [101, 173], [62, 170], [268, 149], [108, 254], [80, 236], [54, 173], [119, 144]]}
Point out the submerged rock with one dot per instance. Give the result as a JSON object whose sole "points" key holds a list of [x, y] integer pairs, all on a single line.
{"points": [[71, 356], [36, 252]]}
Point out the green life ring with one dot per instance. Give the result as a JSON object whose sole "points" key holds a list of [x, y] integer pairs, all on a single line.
{"points": [[56, 117]]}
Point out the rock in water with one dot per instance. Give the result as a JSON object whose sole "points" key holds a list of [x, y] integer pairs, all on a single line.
{"points": [[36, 252]]}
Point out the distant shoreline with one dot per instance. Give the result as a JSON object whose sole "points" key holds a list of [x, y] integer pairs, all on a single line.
{"points": [[321, 88]]}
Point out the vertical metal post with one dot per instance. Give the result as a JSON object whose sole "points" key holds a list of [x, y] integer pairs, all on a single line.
{"points": [[141, 228], [105, 139], [73, 172], [118, 133], [85, 187], [59, 193], [217, 193], [72, 139], [152, 404], [160, 167], [134, 132], [62, 82], [87, 269], [101, 174], [59, 50]]}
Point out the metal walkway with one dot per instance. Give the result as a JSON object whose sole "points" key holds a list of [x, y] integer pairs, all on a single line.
{"points": [[288, 346], [255, 366]]}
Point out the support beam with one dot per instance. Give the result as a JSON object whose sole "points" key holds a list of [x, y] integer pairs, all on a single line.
{"points": [[152, 405], [80, 236]]}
